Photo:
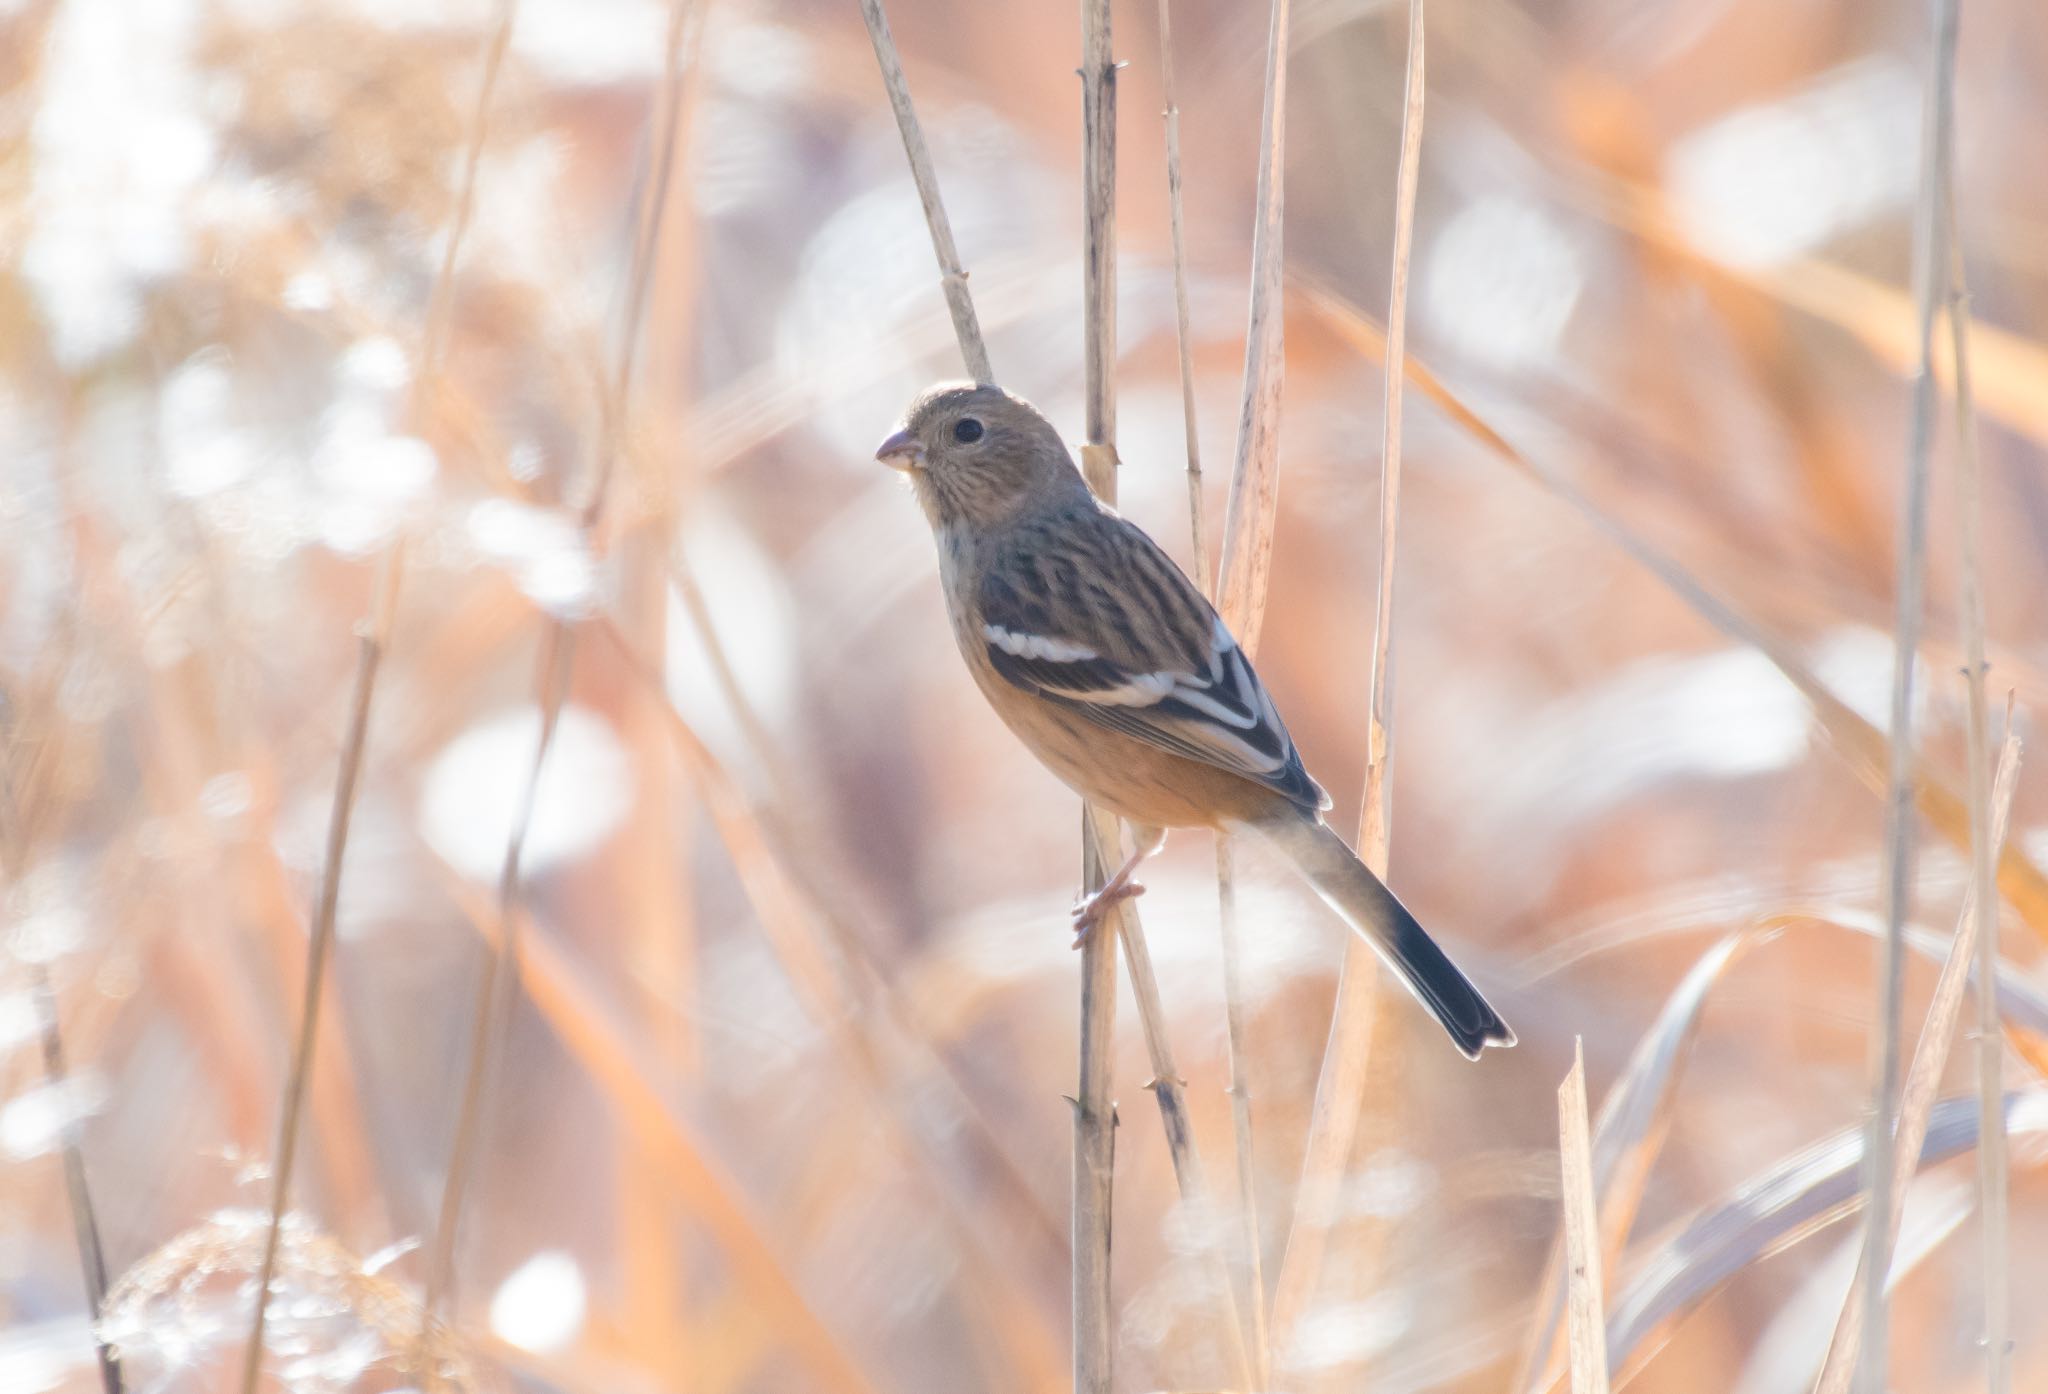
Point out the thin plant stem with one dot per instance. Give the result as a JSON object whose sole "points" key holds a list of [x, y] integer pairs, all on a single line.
{"points": [[1170, 1091], [1587, 1297], [1184, 339], [501, 974], [1375, 819], [1251, 1282], [1992, 1182], [92, 1259], [495, 983], [1254, 499], [1930, 1059], [1094, 1111], [1253, 1300], [1094, 1105], [372, 645], [952, 275], [1881, 1159], [1342, 1082]]}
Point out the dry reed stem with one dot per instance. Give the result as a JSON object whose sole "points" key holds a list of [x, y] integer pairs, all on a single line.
{"points": [[1881, 1160], [1254, 500], [372, 644], [92, 1258], [1240, 593], [30, 760], [1347, 1054], [952, 276], [1632, 1125], [1250, 1295], [1992, 1180], [1184, 339], [1252, 1298], [371, 647], [1094, 1110], [1170, 1091], [1930, 1058], [496, 982], [494, 988], [1375, 818], [1095, 1123], [1860, 743], [1586, 1295], [1094, 1106]]}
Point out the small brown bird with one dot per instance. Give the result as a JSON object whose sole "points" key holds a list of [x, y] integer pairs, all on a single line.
{"points": [[1108, 663]]}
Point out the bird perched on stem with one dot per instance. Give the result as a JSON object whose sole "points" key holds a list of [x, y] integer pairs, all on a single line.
{"points": [[1111, 666]]}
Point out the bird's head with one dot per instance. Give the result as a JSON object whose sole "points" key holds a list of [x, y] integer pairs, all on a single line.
{"points": [[977, 455]]}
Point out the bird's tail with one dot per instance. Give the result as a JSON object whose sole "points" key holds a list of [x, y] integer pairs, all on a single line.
{"points": [[1370, 908]]}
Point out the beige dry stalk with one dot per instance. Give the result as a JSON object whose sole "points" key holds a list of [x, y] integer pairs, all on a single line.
{"points": [[1930, 1058], [1254, 501], [1095, 1118], [92, 1258], [30, 756], [1992, 1183], [1881, 1160], [1341, 1085], [501, 972], [952, 275], [1250, 1268], [1094, 1105], [1586, 1297], [372, 645]]}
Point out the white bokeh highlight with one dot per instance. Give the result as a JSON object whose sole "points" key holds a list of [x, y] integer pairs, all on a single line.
{"points": [[474, 785], [540, 1306], [1500, 281], [1775, 181]]}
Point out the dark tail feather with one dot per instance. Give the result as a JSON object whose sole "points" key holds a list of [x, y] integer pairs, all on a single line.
{"points": [[1370, 908]]}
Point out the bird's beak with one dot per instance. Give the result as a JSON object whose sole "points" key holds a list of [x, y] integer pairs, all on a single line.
{"points": [[901, 452]]}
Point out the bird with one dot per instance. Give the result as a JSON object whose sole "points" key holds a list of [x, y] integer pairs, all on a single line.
{"points": [[1111, 666]]}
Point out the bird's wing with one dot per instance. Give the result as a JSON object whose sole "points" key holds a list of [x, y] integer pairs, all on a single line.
{"points": [[1087, 611]]}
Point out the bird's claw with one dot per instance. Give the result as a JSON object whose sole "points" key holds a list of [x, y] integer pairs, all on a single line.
{"points": [[1089, 910]]}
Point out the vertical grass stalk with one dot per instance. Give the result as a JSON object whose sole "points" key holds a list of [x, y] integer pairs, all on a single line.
{"points": [[1251, 1281], [1341, 1083], [1586, 1295], [1930, 271], [501, 971], [1992, 1183], [92, 1258], [1930, 1059], [952, 275], [372, 645], [1094, 1108]]}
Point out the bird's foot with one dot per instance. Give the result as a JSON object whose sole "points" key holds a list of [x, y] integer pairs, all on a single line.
{"points": [[1089, 910]]}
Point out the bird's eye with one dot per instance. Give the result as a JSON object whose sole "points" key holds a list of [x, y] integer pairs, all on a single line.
{"points": [[967, 430]]}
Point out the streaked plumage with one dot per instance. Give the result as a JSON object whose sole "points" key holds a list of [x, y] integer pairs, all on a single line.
{"points": [[1111, 666]]}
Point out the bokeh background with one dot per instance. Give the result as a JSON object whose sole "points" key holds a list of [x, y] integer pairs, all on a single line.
{"points": [[777, 1104]]}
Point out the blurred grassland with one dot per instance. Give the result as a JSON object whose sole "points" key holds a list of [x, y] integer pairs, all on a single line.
{"points": [[778, 1101]]}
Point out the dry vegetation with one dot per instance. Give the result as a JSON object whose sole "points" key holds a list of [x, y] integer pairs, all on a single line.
{"points": [[443, 579]]}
